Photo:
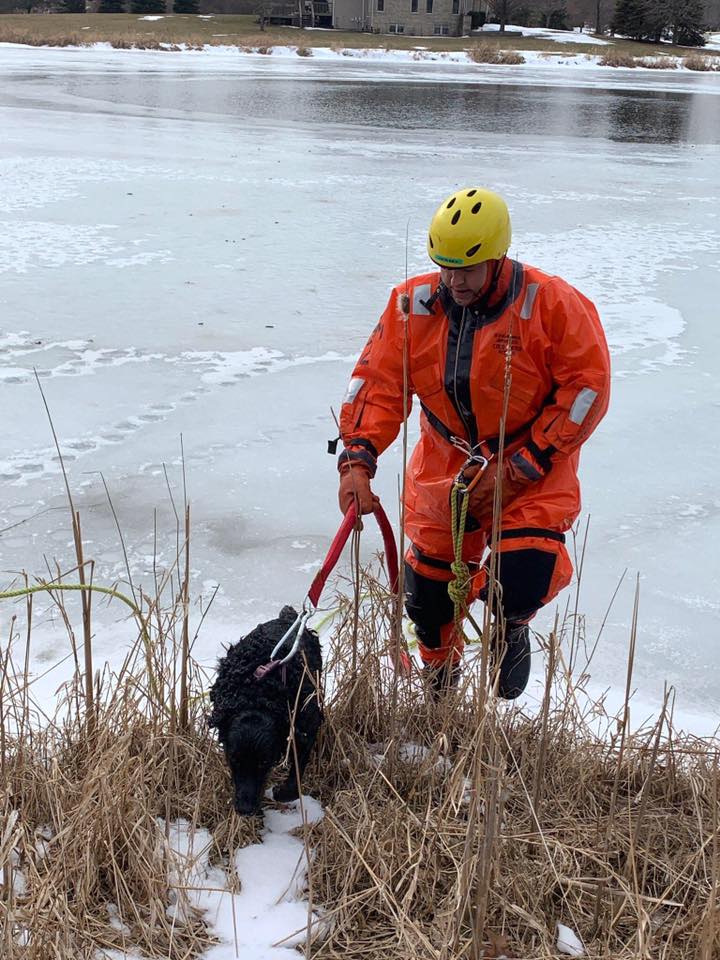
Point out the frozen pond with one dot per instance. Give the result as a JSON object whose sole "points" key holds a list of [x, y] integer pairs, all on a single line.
{"points": [[198, 246]]}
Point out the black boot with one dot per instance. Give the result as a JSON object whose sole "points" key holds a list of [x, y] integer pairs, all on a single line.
{"points": [[441, 680], [514, 668]]}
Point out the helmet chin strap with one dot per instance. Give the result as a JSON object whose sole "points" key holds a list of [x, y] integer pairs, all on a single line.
{"points": [[483, 302]]}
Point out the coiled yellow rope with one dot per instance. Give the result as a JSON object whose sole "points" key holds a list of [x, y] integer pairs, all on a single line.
{"points": [[459, 587]]}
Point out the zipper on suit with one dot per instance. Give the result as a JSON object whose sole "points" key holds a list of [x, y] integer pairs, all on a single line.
{"points": [[458, 405]]}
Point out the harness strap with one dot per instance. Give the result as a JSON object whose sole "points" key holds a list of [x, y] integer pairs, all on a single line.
{"points": [[513, 534], [491, 445]]}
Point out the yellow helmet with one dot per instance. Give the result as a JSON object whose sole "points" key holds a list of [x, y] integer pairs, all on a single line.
{"points": [[470, 226]]}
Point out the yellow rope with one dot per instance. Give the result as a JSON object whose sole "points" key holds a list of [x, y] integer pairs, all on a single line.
{"points": [[459, 587]]}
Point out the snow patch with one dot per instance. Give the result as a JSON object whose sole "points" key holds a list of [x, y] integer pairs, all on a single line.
{"points": [[268, 918], [568, 942]]}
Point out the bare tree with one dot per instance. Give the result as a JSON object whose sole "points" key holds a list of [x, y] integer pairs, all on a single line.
{"points": [[503, 10]]}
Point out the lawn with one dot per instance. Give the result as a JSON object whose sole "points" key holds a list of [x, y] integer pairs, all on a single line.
{"points": [[243, 31]]}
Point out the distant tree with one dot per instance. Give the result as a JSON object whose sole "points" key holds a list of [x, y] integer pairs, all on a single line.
{"points": [[261, 8], [503, 12], [71, 6], [687, 22], [186, 6], [147, 6], [681, 21], [550, 13], [631, 19], [111, 6], [712, 14]]}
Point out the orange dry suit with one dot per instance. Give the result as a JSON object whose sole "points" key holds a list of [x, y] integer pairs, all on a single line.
{"points": [[457, 358]]}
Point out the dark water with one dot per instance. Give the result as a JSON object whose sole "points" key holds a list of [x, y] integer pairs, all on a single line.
{"points": [[444, 101], [445, 109]]}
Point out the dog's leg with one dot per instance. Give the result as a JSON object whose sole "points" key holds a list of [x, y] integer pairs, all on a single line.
{"points": [[290, 789]]}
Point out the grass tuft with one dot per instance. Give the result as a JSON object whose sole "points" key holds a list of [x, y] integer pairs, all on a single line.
{"points": [[700, 63], [489, 53], [617, 60]]}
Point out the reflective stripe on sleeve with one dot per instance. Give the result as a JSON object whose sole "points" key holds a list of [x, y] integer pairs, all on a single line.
{"points": [[354, 388], [421, 293], [581, 405]]}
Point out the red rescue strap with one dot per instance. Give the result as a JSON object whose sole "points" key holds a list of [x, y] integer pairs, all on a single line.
{"points": [[316, 587], [341, 538]]}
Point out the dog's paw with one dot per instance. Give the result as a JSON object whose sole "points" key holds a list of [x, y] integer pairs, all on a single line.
{"points": [[285, 793]]}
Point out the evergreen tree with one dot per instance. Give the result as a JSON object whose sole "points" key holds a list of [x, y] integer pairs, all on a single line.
{"points": [[147, 6], [111, 6], [186, 6], [632, 19], [72, 6], [687, 22]]}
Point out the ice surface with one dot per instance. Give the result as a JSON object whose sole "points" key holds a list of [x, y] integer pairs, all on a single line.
{"points": [[198, 246]]}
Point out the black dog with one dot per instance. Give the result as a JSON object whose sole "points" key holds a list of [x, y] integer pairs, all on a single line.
{"points": [[256, 716]]}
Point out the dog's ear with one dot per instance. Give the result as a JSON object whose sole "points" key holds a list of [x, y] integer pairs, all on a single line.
{"points": [[288, 613]]}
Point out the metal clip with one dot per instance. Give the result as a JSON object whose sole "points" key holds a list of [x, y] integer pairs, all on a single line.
{"points": [[297, 628], [472, 454]]}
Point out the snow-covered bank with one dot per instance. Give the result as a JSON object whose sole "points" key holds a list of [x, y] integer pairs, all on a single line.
{"points": [[222, 56]]}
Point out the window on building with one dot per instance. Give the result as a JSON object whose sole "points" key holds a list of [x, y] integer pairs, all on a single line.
{"points": [[380, 5], [456, 6], [413, 6], [441, 29], [396, 28], [428, 6]]}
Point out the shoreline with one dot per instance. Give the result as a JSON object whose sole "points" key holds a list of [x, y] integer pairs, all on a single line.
{"points": [[549, 61]]}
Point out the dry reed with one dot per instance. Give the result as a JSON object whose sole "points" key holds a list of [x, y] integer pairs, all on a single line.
{"points": [[473, 843], [489, 53], [498, 824], [700, 63]]}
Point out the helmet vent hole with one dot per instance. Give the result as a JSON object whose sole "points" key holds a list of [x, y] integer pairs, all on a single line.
{"points": [[451, 201], [473, 250], [477, 206], [471, 193], [430, 241], [456, 217]]}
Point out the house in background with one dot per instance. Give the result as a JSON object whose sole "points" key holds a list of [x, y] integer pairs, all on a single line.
{"points": [[415, 18]]}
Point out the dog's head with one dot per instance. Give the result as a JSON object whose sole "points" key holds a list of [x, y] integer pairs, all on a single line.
{"points": [[252, 746]]}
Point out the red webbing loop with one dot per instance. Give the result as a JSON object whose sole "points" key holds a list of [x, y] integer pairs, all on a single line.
{"points": [[341, 538]]}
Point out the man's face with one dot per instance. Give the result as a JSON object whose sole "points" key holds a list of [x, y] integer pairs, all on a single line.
{"points": [[465, 283]]}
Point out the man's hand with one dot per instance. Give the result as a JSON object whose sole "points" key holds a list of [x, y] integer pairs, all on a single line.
{"points": [[481, 497], [355, 486]]}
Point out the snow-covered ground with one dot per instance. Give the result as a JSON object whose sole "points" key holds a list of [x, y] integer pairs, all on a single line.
{"points": [[197, 246], [557, 36]]}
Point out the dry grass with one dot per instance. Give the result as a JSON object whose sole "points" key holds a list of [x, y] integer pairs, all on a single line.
{"points": [[85, 804], [243, 31], [617, 60], [506, 824], [474, 844], [509, 823], [657, 63], [488, 53], [701, 63]]}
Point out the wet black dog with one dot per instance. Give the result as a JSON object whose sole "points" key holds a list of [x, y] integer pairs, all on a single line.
{"points": [[257, 717]]}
